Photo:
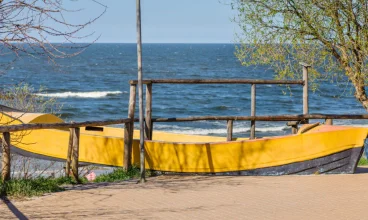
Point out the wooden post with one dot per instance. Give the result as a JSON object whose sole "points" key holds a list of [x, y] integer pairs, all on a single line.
{"points": [[328, 121], [294, 126], [294, 129], [140, 91], [253, 111], [305, 90], [5, 173], [75, 153], [229, 130], [69, 154], [148, 121], [129, 128]]}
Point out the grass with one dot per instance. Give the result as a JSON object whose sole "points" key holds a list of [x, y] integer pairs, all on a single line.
{"points": [[118, 174], [363, 162], [21, 188]]}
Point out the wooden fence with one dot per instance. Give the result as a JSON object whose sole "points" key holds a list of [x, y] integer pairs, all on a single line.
{"points": [[72, 153], [253, 82]]}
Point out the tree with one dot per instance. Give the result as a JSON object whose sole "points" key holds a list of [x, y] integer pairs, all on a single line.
{"points": [[25, 29], [26, 25], [330, 35]]}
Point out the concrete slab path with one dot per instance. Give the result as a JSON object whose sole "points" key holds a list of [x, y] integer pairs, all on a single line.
{"points": [[205, 197]]}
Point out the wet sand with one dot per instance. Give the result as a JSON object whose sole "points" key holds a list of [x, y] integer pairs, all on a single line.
{"points": [[205, 197]]}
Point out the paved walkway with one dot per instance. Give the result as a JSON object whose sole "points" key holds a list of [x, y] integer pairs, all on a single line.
{"points": [[199, 197]]}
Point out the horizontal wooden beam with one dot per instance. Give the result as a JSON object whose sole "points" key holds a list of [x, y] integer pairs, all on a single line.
{"points": [[293, 123], [23, 127], [262, 118], [218, 81]]}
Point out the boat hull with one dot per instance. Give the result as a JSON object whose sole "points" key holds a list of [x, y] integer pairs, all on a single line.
{"points": [[318, 150], [344, 162]]}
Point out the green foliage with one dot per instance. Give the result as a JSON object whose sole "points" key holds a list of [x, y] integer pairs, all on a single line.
{"points": [[363, 161], [33, 187], [25, 98], [118, 174], [20, 188], [329, 35]]}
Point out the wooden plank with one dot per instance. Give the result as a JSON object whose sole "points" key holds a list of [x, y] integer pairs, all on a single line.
{"points": [[129, 128], [69, 154], [305, 90], [148, 120], [229, 130], [339, 162], [329, 121], [219, 81], [36, 126], [140, 91], [253, 111], [75, 153], [294, 129], [291, 123], [261, 118], [294, 126], [24, 127], [127, 147], [5, 162]]}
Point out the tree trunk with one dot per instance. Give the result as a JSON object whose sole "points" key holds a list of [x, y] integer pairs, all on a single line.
{"points": [[360, 93]]}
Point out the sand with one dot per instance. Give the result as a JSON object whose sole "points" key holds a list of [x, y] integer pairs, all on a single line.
{"points": [[205, 197]]}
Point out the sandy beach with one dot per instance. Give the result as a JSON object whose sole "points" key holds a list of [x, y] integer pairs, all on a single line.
{"points": [[205, 197]]}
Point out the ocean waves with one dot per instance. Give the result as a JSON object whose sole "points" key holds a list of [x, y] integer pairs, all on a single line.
{"points": [[216, 131], [94, 94]]}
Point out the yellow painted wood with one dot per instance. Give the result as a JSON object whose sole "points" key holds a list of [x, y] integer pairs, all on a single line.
{"points": [[186, 153], [252, 154]]}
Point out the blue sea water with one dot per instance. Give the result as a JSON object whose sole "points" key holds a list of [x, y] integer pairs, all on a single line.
{"points": [[94, 86]]}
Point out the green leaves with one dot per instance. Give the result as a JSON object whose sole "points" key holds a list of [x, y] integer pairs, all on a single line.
{"points": [[330, 35]]}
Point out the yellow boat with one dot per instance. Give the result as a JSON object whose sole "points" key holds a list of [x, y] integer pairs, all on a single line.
{"points": [[315, 149]]}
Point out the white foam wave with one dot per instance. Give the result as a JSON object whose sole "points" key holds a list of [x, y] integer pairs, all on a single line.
{"points": [[219, 131], [95, 94], [349, 123], [354, 125]]}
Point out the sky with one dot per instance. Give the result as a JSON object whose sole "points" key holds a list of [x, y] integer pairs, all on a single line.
{"points": [[163, 21]]}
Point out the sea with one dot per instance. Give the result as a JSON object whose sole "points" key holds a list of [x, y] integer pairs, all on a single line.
{"points": [[95, 86]]}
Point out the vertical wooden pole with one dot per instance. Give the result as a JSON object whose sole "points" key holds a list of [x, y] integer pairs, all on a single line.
{"points": [[229, 130], [129, 128], [328, 121], [75, 153], [294, 129], [148, 121], [305, 90], [140, 91], [5, 172], [69, 154], [294, 126], [253, 112]]}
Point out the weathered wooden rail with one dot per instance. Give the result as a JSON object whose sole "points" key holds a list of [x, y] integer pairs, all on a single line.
{"points": [[292, 120], [218, 81], [72, 154], [252, 82]]}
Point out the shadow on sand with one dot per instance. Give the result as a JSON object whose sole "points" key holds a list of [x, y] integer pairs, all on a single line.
{"points": [[17, 213]]}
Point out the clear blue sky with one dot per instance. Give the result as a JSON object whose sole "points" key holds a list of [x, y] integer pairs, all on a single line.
{"points": [[163, 21]]}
